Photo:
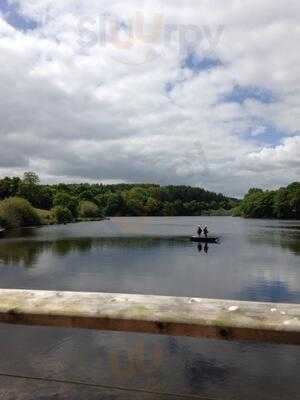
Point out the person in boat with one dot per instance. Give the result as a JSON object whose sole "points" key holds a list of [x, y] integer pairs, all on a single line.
{"points": [[205, 231], [199, 230]]}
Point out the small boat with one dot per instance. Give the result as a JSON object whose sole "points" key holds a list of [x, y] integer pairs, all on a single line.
{"points": [[202, 239]]}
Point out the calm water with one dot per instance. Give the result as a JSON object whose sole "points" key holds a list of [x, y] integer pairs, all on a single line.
{"points": [[256, 260]]}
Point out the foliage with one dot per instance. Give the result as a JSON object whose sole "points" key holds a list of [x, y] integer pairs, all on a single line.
{"points": [[87, 209], [221, 212], [16, 212], [9, 187], [282, 203], [31, 179], [117, 200], [110, 204], [46, 217], [139, 201], [62, 215], [145, 199], [68, 201], [30, 189]]}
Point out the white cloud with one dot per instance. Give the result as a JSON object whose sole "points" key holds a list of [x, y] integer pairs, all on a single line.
{"points": [[96, 113]]}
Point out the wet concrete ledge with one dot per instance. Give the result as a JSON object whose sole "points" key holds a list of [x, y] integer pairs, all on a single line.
{"points": [[178, 316]]}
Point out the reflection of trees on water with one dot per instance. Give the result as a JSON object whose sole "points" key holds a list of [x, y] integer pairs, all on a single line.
{"points": [[285, 239], [64, 247], [24, 254], [293, 246], [27, 252]]}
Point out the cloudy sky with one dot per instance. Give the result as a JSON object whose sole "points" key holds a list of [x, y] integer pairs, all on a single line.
{"points": [[199, 92]]}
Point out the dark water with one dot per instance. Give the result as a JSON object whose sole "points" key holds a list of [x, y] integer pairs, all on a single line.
{"points": [[256, 260]]}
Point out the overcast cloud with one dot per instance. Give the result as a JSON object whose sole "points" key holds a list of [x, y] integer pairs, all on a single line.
{"points": [[210, 99]]}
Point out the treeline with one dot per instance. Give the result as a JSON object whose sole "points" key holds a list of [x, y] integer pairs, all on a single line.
{"points": [[69, 202], [283, 203]]}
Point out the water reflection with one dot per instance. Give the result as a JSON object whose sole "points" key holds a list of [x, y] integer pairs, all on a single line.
{"points": [[207, 368], [270, 291], [26, 253], [14, 253], [255, 261], [205, 248], [162, 260], [286, 240]]}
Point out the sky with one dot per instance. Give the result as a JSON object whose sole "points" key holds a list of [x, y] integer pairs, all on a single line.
{"points": [[202, 93]]}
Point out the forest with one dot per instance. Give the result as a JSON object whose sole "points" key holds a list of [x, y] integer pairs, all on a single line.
{"points": [[62, 203], [283, 203]]}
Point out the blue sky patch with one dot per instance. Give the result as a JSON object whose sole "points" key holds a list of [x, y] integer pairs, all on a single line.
{"points": [[240, 94], [169, 86], [197, 64], [265, 133], [14, 17]]}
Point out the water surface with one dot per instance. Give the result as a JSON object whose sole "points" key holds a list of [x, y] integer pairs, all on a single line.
{"points": [[255, 260]]}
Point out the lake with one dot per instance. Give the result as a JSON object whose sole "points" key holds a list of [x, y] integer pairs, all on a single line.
{"points": [[257, 260]]}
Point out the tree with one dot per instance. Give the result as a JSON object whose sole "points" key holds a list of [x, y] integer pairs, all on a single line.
{"points": [[31, 179], [293, 187], [192, 208], [46, 198], [152, 206], [9, 187], [16, 212], [281, 204], [110, 204], [87, 209], [295, 204], [141, 201], [29, 188], [62, 215], [66, 200], [168, 209], [120, 199], [87, 195]]}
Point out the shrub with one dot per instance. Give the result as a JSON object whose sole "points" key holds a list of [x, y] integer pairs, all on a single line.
{"points": [[16, 212], [87, 209], [46, 217], [62, 215], [65, 200]]}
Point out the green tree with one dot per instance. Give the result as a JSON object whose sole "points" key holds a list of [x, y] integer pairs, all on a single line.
{"points": [[114, 205], [68, 201], [295, 203], [192, 208], [31, 179], [152, 206], [45, 201], [282, 204], [87, 195], [9, 187], [62, 215], [16, 212], [110, 204], [30, 189], [139, 201], [87, 209]]}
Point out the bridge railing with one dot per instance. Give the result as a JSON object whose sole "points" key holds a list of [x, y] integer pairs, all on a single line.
{"points": [[177, 316]]}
